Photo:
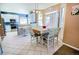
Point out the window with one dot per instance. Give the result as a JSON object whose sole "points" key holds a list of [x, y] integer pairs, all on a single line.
{"points": [[39, 19], [51, 20], [32, 18], [55, 20], [23, 20], [47, 22], [61, 17]]}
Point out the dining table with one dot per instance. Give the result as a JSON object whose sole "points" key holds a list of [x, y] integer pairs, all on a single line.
{"points": [[39, 33]]}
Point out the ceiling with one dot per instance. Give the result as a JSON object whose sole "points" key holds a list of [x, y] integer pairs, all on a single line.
{"points": [[23, 7]]}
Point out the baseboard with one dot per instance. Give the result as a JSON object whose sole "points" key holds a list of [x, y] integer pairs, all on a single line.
{"points": [[71, 46]]}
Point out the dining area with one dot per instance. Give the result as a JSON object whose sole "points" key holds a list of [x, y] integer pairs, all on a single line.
{"points": [[33, 40], [38, 32], [47, 38]]}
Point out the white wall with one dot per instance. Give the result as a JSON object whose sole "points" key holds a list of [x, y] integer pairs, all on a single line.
{"points": [[23, 7]]}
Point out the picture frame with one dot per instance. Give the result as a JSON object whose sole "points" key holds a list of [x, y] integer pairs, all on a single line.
{"points": [[75, 10]]}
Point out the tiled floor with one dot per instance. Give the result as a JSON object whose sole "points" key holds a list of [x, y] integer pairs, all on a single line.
{"points": [[18, 45]]}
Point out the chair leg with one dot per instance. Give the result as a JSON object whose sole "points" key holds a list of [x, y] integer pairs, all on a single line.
{"points": [[36, 40], [53, 42], [57, 40], [48, 46], [1, 49], [41, 40], [31, 40]]}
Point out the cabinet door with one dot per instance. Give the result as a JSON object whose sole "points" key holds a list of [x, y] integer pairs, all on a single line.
{"points": [[0, 26], [2, 32]]}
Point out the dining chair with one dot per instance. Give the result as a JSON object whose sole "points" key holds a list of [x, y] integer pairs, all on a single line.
{"points": [[56, 35], [44, 37], [54, 31], [34, 36], [48, 40], [49, 37]]}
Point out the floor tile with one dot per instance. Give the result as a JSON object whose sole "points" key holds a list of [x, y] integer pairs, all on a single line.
{"points": [[17, 45]]}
